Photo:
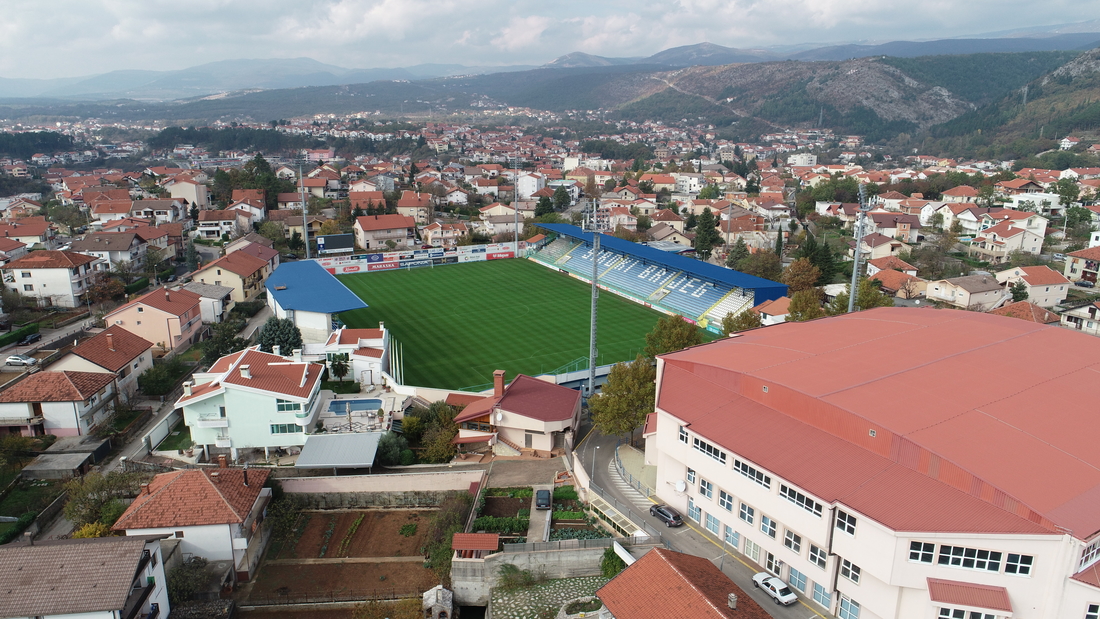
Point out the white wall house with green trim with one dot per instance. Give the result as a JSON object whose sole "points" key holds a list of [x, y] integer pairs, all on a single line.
{"points": [[252, 400]]}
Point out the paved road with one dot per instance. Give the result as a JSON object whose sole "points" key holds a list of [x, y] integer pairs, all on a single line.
{"points": [[598, 452]]}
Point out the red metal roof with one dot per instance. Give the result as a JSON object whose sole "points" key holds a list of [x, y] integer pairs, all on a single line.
{"points": [[475, 541], [978, 407], [968, 594]]}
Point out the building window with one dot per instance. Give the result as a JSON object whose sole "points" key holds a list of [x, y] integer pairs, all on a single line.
{"points": [[733, 538], [25, 274], [284, 428], [747, 513], [694, 512], [286, 406], [683, 435], [179, 534], [691, 476], [1093, 611], [971, 558], [849, 570], [849, 608], [921, 552], [753, 474], [1092, 552], [712, 524], [958, 613], [800, 499], [725, 500], [846, 522], [709, 449], [706, 488], [771, 564], [797, 580], [1018, 564], [821, 596], [818, 556], [793, 541], [767, 525], [28, 287], [752, 550], [140, 310]]}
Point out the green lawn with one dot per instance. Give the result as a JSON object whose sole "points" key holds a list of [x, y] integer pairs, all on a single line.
{"points": [[178, 438], [458, 323]]}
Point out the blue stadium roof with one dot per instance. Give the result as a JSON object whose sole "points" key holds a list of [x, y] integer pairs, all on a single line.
{"points": [[308, 287], [764, 289]]}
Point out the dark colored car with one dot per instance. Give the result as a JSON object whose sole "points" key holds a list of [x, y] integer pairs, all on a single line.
{"points": [[30, 339], [1084, 283], [542, 499], [667, 515], [291, 256]]}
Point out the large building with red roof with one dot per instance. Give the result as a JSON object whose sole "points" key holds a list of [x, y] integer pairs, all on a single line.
{"points": [[896, 462]]}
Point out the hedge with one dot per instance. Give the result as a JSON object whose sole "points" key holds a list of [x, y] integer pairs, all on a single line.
{"points": [[140, 284], [17, 529], [492, 524], [18, 334], [165, 274]]}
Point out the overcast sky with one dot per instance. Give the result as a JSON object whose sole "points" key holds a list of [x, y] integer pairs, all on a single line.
{"points": [[66, 38]]}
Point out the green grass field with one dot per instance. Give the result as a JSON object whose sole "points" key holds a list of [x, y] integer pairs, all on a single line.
{"points": [[457, 323]]}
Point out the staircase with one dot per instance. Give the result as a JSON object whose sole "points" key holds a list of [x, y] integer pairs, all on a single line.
{"points": [[504, 447]]}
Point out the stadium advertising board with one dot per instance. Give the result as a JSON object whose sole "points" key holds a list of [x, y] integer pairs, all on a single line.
{"points": [[335, 244], [385, 261], [382, 266]]}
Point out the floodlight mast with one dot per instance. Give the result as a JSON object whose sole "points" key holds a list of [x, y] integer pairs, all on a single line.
{"points": [[592, 350], [864, 206]]}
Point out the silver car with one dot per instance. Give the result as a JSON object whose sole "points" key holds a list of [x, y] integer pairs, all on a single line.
{"points": [[776, 588], [21, 360]]}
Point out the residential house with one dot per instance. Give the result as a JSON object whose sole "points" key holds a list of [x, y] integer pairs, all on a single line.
{"points": [[263, 251], [1045, 286], [34, 232], [1026, 310], [773, 312], [367, 201], [289, 201], [100, 578], [1082, 264], [296, 225], [241, 271], [216, 514], [113, 248], [668, 216], [244, 241], [114, 351], [528, 183], [103, 211], [11, 249], [665, 232], [365, 351], [1017, 186], [252, 400], [52, 277], [377, 231], [974, 292], [307, 294], [894, 225], [215, 224], [1085, 318], [962, 193], [190, 191], [62, 403], [443, 235], [171, 319], [899, 284], [418, 206], [528, 415], [995, 244], [890, 262], [159, 210], [614, 217], [215, 302], [875, 245], [500, 224], [249, 209]]}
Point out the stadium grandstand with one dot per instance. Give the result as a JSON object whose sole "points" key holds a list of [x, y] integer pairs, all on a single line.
{"points": [[699, 291]]}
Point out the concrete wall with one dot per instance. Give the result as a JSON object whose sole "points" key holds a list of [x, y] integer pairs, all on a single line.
{"points": [[408, 489], [472, 579], [211, 542]]}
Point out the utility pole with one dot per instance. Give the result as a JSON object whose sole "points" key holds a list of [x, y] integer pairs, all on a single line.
{"points": [[515, 206], [305, 207], [864, 206], [593, 352]]}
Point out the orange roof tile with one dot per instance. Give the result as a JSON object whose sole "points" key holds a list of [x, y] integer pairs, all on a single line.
{"points": [[64, 386], [113, 349], [959, 593], [239, 262], [50, 259], [174, 302], [1026, 310], [194, 498]]}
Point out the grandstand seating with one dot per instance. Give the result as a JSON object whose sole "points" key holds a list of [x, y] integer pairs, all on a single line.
{"points": [[682, 292]]}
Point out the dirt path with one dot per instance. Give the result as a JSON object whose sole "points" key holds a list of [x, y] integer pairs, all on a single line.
{"points": [[340, 560]]}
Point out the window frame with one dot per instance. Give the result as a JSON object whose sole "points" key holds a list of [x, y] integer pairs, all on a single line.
{"points": [[851, 611], [746, 513], [706, 488], [795, 578], [821, 595], [792, 541], [818, 556], [959, 556], [710, 519], [752, 473], [1019, 566], [768, 526], [732, 537], [850, 570], [922, 549], [725, 500], [846, 522], [800, 499]]}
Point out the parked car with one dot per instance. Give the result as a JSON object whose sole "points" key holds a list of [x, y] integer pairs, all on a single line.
{"points": [[542, 499], [21, 360], [776, 588], [1084, 283], [30, 339], [173, 277], [290, 257], [667, 515], [1059, 257]]}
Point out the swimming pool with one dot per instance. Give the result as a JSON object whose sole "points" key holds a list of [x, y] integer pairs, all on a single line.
{"points": [[340, 407]]}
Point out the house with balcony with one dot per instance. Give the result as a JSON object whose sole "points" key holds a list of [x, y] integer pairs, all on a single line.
{"points": [[416, 205], [240, 270], [526, 416], [366, 351], [1082, 265], [213, 224], [1085, 318], [171, 319], [217, 514], [1032, 222], [252, 400], [974, 292], [444, 235], [1045, 286], [101, 578], [161, 211], [997, 243], [34, 232], [374, 231], [113, 247], [53, 278], [62, 403], [874, 246], [215, 302], [113, 351]]}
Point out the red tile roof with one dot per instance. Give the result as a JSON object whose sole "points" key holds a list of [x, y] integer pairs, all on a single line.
{"points": [[664, 584], [539, 399], [352, 336], [113, 349], [240, 262], [958, 593], [1026, 310], [892, 262], [1091, 253], [893, 280], [259, 251], [385, 222], [64, 386], [50, 259], [475, 541], [462, 399], [194, 497], [174, 302], [267, 372], [984, 451]]}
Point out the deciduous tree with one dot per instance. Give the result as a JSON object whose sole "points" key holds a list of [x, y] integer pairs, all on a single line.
{"points": [[805, 305], [800, 275], [765, 264], [671, 333], [89, 495], [744, 321], [627, 397]]}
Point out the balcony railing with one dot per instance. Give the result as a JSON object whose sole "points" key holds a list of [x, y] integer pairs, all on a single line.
{"points": [[136, 600], [20, 421], [212, 422], [223, 442]]}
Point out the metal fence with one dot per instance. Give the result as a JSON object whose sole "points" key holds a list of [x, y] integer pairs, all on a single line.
{"points": [[565, 544], [630, 513], [636, 483]]}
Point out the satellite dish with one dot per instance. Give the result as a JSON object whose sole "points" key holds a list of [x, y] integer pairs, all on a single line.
{"points": [[681, 485], [500, 416]]}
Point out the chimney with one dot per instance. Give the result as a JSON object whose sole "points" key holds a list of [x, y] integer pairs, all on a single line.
{"points": [[167, 297], [297, 354], [111, 342], [732, 601], [275, 350], [144, 489], [187, 387], [223, 463], [498, 383], [245, 371], [246, 475]]}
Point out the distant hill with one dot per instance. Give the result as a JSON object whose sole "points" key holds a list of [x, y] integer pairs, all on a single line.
{"points": [[912, 49]]}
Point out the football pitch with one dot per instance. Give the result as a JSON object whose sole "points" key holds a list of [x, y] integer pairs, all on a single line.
{"points": [[458, 323]]}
